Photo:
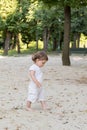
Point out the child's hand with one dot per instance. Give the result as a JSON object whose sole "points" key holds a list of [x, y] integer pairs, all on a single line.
{"points": [[38, 83], [32, 74]]}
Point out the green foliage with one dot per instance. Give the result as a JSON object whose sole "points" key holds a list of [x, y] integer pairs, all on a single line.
{"points": [[62, 3], [7, 7], [13, 15], [24, 50], [78, 20], [30, 17]]}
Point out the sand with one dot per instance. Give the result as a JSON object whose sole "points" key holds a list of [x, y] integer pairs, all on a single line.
{"points": [[66, 94]]}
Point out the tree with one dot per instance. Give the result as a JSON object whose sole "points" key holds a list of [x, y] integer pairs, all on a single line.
{"points": [[78, 25], [67, 4], [65, 53], [48, 23], [14, 20], [6, 9]]}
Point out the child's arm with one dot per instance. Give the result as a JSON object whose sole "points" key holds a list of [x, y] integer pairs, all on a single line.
{"points": [[32, 75]]}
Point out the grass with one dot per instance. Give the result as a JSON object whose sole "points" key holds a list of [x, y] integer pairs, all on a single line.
{"points": [[24, 50], [1, 52], [32, 47]]}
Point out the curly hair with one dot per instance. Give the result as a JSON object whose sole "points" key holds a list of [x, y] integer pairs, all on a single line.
{"points": [[41, 55]]}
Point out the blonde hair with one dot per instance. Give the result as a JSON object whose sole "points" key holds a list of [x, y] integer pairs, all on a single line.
{"points": [[41, 55]]}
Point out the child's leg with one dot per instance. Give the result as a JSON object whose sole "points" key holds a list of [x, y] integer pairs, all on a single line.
{"points": [[29, 105], [42, 100], [43, 104]]}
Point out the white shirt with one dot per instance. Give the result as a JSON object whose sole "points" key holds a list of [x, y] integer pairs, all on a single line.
{"points": [[35, 93], [38, 72]]}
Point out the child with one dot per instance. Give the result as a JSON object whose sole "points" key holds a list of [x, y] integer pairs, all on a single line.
{"points": [[36, 91]]}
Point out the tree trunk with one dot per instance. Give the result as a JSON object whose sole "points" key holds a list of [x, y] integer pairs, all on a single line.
{"points": [[44, 39], [61, 40], [75, 38], [55, 44], [13, 41], [36, 40], [18, 44], [65, 54], [7, 41], [46, 35], [78, 40]]}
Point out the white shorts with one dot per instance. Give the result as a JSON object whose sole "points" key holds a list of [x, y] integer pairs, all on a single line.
{"points": [[36, 94]]}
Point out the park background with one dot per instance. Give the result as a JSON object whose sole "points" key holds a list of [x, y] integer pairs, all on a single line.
{"points": [[30, 25], [55, 26]]}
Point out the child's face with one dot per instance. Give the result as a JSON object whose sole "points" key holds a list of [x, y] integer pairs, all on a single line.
{"points": [[40, 63]]}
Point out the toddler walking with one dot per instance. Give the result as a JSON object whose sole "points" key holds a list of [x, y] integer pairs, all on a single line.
{"points": [[36, 90]]}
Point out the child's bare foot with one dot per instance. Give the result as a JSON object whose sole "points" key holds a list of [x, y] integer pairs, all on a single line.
{"points": [[46, 108], [29, 109]]}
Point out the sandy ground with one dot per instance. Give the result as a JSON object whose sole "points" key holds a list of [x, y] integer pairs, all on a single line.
{"points": [[66, 90]]}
